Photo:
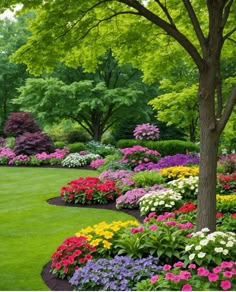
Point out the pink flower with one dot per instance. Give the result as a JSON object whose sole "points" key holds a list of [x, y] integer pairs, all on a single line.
{"points": [[154, 279], [217, 269], [225, 265], [153, 227], [189, 235], [202, 272], [228, 274], [192, 266], [186, 287], [137, 230], [178, 264], [233, 271], [225, 285], [184, 275], [176, 278], [212, 277], [172, 223], [169, 276], [166, 267]]}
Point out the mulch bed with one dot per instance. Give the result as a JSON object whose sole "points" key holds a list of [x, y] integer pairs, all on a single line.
{"points": [[50, 280]]}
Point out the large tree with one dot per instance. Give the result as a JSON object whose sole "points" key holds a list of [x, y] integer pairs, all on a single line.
{"points": [[77, 32]]}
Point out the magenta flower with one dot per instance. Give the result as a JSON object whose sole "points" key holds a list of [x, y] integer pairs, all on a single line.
{"points": [[202, 272], [192, 266], [166, 267], [184, 275], [179, 264], [212, 277], [137, 230], [186, 287], [225, 285], [169, 276], [228, 274], [154, 279], [153, 227], [217, 269], [225, 265]]}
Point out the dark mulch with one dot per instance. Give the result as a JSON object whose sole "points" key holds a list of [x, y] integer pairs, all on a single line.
{"points": [[50, 280]]}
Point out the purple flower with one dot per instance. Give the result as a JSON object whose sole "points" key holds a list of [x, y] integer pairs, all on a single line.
{"points": [[146, 132]]}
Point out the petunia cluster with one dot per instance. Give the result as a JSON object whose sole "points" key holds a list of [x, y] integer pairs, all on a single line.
{"points": [[70, 255], [89, 190]]}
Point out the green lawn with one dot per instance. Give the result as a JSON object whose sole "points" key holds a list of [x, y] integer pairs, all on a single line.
{"points": [[31, 229]]}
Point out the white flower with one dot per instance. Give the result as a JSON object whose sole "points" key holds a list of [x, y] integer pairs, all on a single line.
{"points": [[204, 242], [156, 204], [201, 255], [205, 229], [191, 256], [225, 251], [161, 203], [222, 242], [218, 249], [229, 244], [198, 247], [153, 209], [188, 247]]}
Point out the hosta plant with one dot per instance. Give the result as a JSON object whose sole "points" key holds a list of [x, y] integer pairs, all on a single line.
{"points": [[177, 277], [73, 253], [118, 274], [77, 159], [160, 201], [89, 190]]}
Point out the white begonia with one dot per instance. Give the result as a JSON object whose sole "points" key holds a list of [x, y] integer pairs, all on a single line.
{"points": [[218, 249], [229, 244], [191, 256], [201, 255]]}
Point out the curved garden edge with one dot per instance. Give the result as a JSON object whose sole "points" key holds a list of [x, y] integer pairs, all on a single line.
{"points": [[56, 284]]}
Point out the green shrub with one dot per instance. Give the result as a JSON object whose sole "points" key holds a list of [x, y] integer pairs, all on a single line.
{"points": [[59, 144], [100, 148], [147, 178], [112, 162], [165, 147], [10, 142], [76, 147], [76, 136]]}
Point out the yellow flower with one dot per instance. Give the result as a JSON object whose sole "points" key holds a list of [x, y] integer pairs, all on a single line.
{"points": [[106, 244], [223, 198], [108, 234], [179, 171], [95, 242]]}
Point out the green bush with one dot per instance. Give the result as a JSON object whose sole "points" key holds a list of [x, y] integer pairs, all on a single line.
{"points": [[112, 163], [147, 178], [76, 147], [164, 147], [76, 136], [10, 142], [59, 144]]}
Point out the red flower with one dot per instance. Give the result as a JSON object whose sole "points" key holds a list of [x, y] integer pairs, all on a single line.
{"points": [[82, 260], [218, 215], [89, 197], [233, 215]]}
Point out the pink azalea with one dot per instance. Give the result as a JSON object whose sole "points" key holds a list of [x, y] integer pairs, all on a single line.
{"points": [[186, 287], [225, 285]]}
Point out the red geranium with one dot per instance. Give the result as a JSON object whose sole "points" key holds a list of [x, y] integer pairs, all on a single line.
{"points": [[187, 207]]}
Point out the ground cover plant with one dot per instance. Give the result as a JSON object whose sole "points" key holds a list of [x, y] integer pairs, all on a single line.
{"points": [[31, 228]]}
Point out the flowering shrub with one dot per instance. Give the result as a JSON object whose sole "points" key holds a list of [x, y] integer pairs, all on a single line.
{"points": [[89, 190], [187, 187], [228, 163], [179, 278], [102, 235], [159, 201], [146, 132], [100, 148], [2, 142], [118, 274], [136, 155], [168, 161], [19, 160], [97, 163], [210, 249], [165, 239], [77, 160], [6, 154], [70, 255], [171, 173], [226, 203], [226, 183], [130, 200]]}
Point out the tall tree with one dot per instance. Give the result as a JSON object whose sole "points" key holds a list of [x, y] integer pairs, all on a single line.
{"points": [[70, 34]]}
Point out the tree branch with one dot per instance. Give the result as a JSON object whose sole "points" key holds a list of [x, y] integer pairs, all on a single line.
{"points": [[165, 10], [171, 30], [228, 110], [195, 23], [226, 12], [229, 34]]}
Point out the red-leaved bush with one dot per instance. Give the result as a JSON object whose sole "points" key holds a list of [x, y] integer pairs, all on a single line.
{"points": [[19, 123], [33, 143], [70, 255]]}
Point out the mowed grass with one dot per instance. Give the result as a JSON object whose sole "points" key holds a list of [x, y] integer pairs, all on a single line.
{"points": [[31, 229]]}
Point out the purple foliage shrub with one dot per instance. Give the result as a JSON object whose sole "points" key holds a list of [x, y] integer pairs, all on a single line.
{"points": [[130, 199], [2, 142], [20, 123], [168, 161], [146, 132], [33, 143]]}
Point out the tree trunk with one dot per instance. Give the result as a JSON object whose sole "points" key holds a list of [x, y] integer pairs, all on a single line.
{"points": [[209, 139]]}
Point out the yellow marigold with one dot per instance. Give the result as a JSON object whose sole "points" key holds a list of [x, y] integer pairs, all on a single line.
{"points": [[179, 171], [106, 244], [223, 198]]}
